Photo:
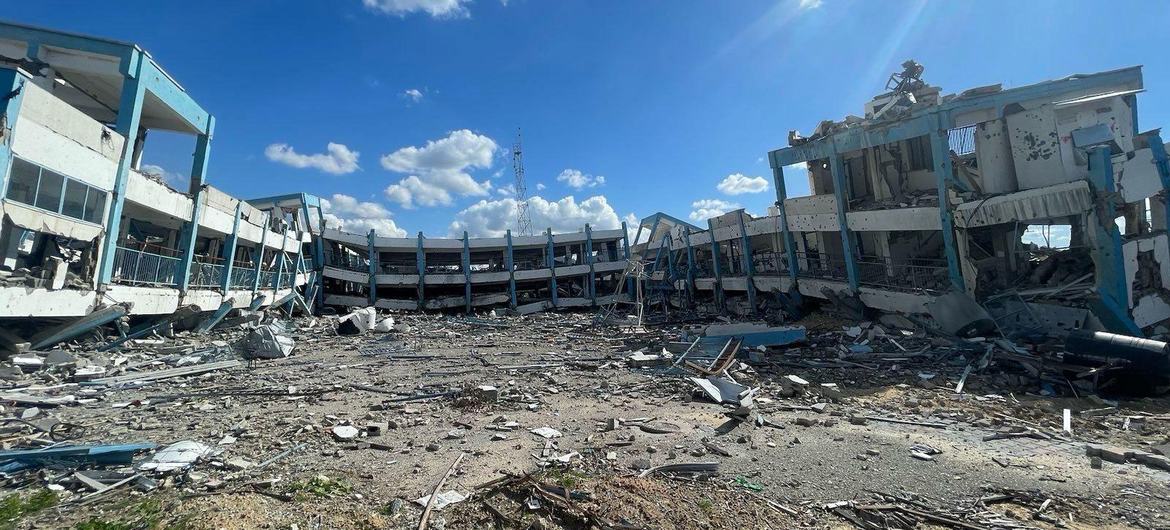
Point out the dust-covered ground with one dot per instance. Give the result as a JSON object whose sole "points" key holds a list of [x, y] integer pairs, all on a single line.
{"points": [[892, 445]]}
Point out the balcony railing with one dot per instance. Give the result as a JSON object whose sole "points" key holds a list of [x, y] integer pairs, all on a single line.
{"points": [[267, 278], [770, 263], [139, 267], [530, 264], [818, 265], [341, 260], [206, 272], [243, 275], [914, 274]]}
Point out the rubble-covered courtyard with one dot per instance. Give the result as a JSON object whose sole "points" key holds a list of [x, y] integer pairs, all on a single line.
{"points": [[558, 421]]}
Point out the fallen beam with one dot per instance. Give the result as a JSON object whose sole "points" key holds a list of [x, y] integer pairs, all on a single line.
{"points": [[80, 326], [164, 374]]}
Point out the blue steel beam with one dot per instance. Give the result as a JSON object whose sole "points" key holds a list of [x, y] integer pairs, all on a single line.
{"points": [[848, 244], [466, 261], [224, 308], [690, 265], [509, 263], [129, 114], [940, 148], [175, 98], [258, 253]]}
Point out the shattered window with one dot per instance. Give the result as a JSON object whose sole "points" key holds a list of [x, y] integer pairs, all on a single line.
{"points": [[919, 151], [74, 204], [95, 206], [49, 192], [22, 185]]}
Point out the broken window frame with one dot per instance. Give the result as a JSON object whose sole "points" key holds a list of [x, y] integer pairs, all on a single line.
{"points": [[918, 155], [98, 203]]}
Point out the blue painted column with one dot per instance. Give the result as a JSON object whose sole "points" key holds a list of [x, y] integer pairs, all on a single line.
{"points": [[466, 272], [592, 285], [1112, 304], [690, 266], [626, 246], [129, 114], [11, 90], [940, 150], [848, 243], [748, 267], [552, 268], [373, 266], [420, 260], [260, 255], [510, 264], [229, 251], [789, 241], [187, 238], [715, 262], [319, 246], [281, 257]]}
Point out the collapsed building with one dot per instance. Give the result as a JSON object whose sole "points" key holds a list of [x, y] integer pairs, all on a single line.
{"points": [[1046, 203]]}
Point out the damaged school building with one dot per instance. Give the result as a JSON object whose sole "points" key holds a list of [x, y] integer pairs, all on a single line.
{"points": [[930, 194], [926, 199]]}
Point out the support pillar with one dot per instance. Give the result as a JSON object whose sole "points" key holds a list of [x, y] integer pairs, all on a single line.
{"points": [[372, 268], [260, 255], [690, 266], [510, 264], [466, 272], [129, 114], [626, 246], [786, 234], [11, 89], [229, 252], [420, 259], [848, 241], [1112, 303], [716, 268], [187, 238], [748, 266], [940, 150], [552, 268], [592, 284]]}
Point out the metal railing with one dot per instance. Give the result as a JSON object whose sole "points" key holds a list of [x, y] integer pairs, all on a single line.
{"points": [[530, 264], [770, 263], [342, 260], [243, 275], [915, 273], [398, 269], [819, 265], [206, 272], [138, 267], [444, 269], [267, 278]]}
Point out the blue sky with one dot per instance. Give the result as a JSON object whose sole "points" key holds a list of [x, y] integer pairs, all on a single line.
{"points": [[637, 107]]}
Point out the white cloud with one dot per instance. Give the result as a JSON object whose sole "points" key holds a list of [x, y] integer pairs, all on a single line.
{"points": [[413, 94], [507, 191], [493, 218], [578, 180], [439, 169], [434, 8], [738, 184], [707, 208], [809, 4], [337, 160], [540, 186], [177, 181], [348, 214]]}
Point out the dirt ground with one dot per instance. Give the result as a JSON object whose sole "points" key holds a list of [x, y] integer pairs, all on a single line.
{"points": [[411, 395]]}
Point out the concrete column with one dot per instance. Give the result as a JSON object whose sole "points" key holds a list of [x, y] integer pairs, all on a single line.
{"points": [[592, 284], [373, 266], [260, 255], [509, 263], [1112, 303], [786, 234], [690, 266], [552, 268], [848, 241], [12, 85], [187, 238], [466, 272], [229, 252], [420, 259], [748, 266], [716, 268], [129, 114], [626, 246], [940, 150]]}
